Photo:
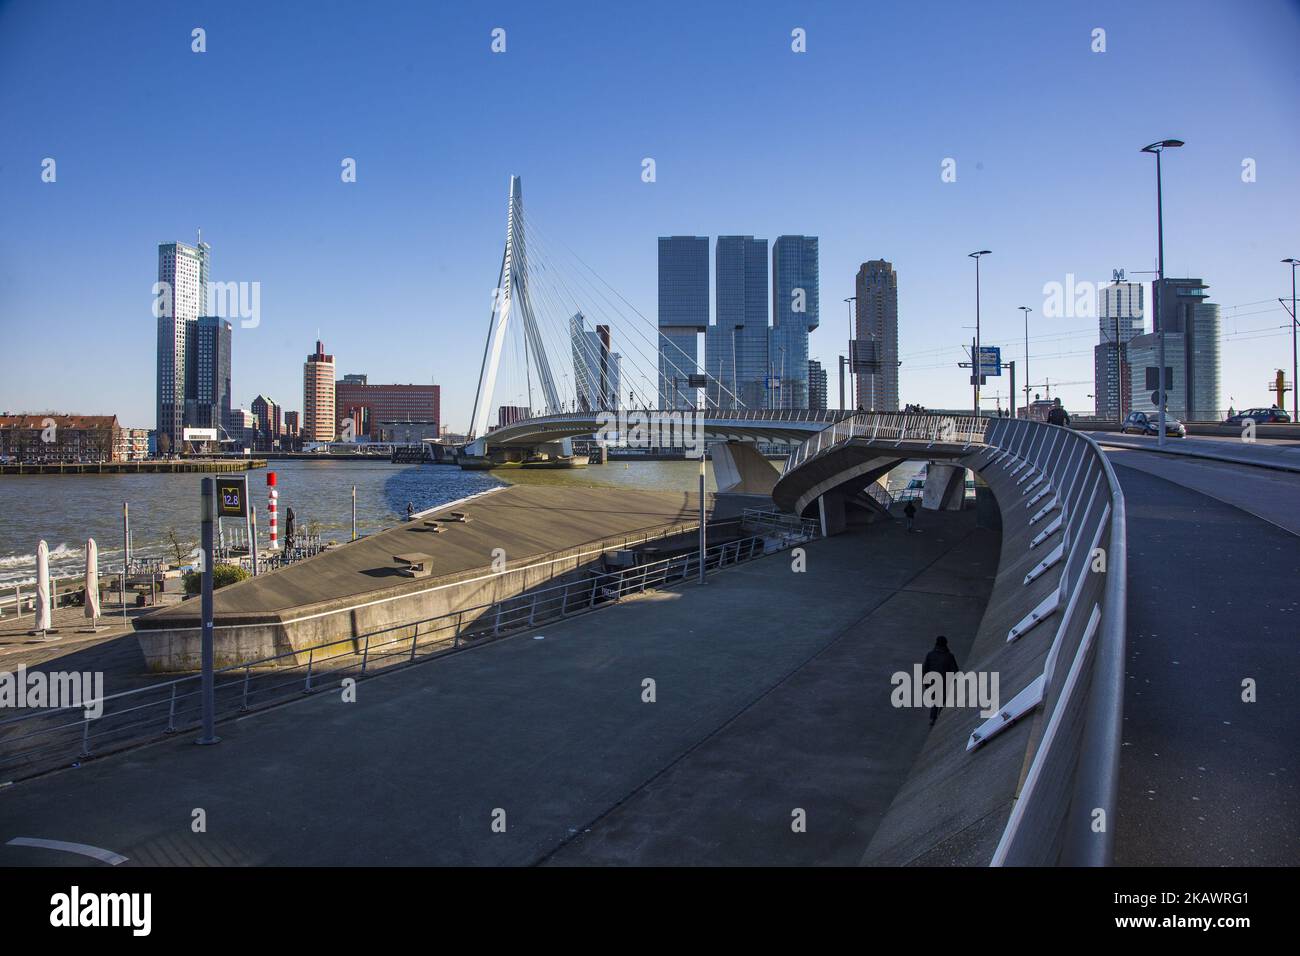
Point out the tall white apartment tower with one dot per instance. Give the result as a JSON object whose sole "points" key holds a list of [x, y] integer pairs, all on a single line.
{"points": [[179, 299]]}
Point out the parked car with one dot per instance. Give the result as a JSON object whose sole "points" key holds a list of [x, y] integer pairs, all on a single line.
{"points": [[1261, 416], [1142, 423]]}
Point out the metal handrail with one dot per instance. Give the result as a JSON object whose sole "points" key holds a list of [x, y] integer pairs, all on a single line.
{"points": [[170, 706], [1083, 681]]}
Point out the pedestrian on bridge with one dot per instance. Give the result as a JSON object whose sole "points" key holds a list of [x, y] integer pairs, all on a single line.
{"points": [[939, 661], [909, 513]]}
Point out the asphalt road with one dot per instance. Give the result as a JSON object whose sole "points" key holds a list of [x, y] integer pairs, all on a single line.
{"points": [[1207, 778]]}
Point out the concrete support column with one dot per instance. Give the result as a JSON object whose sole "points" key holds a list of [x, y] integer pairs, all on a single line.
{"points": [[830, 508], [945, 487], [738, 468]]}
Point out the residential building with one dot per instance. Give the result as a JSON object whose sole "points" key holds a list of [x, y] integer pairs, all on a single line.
{"points": [[318, 422], [52, 437], [180, 298], [817, 394], [875, 359], [270, 423]]}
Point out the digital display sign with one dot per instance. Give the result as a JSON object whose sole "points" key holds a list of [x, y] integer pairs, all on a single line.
{"points": [[232, 497]]}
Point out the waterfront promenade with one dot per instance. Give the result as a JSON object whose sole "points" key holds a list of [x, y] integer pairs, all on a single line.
{"points": [[522, 521], [178, 466], [772, 693]]}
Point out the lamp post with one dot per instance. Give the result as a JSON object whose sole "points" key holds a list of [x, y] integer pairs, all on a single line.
{"points": [[1163, 386], [975, 359], [1295, 367], [1025, 309], [852, 371]]}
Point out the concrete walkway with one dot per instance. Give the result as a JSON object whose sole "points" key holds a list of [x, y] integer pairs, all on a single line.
{"points": [[771, 693]]}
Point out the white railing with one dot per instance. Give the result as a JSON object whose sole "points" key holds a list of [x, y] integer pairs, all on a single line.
{"points": [[1076, 520]]}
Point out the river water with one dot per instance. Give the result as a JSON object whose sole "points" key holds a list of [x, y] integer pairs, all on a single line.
{"points": [[65, 510]]}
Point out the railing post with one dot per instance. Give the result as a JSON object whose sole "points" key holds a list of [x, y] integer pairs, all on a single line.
{"points": [[311, 657], [594, 589], [496, 625], [415, 636], [564, 602], [85, 737], [365, 656], [171, 713], [247, 671], [532, 611]]}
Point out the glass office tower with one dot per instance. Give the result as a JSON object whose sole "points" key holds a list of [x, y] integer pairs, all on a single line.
{"points": [[737, 345], [795, 312], [683, 314]]}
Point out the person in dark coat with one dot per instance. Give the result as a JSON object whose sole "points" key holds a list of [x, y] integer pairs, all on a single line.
{"points": [[1058, 415], [939, 661], [910, 514], [289, 519]]}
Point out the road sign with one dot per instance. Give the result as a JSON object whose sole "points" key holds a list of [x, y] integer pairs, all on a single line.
{"points": [[866, 357], [232, 497], [697, 381], [990, 360]]}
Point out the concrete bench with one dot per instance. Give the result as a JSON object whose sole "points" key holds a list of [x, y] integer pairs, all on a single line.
{"points": [[415, 564]]}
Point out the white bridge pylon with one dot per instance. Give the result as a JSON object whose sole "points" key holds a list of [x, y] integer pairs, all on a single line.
{"points": [[511, 294]]}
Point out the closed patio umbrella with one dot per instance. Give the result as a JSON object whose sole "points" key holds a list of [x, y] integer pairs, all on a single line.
{"points": [[44, 621], [92, 583]]}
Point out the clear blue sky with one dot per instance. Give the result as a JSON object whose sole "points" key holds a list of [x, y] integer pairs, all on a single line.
{"points": [[844, 142]]}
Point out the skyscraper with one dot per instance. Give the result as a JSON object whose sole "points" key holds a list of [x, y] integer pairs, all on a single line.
{"points": [[181, 297], [736, 350], [318, 396], [683, 314], [877, 334], [796, 300], [594, 376], [816, 386], [207, 394], [1120, 318], [1192, 354]]}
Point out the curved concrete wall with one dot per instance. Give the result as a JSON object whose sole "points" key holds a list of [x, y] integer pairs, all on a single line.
{"points": [[1035, 784]]}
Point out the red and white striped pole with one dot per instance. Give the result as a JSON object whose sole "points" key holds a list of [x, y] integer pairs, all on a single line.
{"points": [[271, 496]]}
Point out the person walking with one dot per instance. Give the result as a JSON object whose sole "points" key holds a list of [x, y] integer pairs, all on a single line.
{"points": [[909, 513], [1058, 415], [290, 520], [939, 661]]}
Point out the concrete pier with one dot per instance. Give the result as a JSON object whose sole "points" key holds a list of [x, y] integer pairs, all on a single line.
{"points": [[537, 535]]}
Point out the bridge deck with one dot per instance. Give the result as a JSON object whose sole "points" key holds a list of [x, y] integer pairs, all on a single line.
{"points": [[1205, 778], [772, 693]]}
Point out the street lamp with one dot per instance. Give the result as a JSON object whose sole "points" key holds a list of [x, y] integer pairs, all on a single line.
{"points": [[1163, 386], [1025, 309], [975, 359], [852, 376], [1295, 395]]}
